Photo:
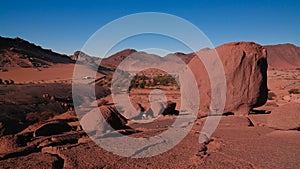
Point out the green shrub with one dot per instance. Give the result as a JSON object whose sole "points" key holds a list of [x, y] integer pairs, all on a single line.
{"points": [[143, 81]]}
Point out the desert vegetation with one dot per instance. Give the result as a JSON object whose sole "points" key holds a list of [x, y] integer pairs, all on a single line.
{"points": [[144, 81]]}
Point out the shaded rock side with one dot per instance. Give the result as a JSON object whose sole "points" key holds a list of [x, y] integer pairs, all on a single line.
{"points": [[93, 121], [52, 128], [170, 109], [245, 67]]}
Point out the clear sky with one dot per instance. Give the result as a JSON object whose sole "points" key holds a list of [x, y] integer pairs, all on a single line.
{"points": [[64, 26]]}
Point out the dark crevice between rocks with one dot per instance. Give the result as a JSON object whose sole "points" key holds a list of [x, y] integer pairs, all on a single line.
{"points": [[228, 114], [259, 112], [203, 150], [290, 129], [68, 141], [295, 129], [251, 124], [59, 163], [23, 151]]}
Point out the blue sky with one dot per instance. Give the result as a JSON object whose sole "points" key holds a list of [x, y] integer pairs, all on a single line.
{"points": [[64, 26]]}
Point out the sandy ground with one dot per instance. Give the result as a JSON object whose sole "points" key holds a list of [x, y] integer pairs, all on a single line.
{"points": [[56, 73], [234, 144], [280, 81]]}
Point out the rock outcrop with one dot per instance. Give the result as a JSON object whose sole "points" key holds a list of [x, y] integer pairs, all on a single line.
{"points": [[94, 122], [21, 53], [245, 67], [52, 128]]}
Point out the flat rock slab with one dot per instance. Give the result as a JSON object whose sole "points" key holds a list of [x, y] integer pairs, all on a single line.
{"points": [[231, 121], [259, 119], [233, 145], [285, 117], [261, 147]]}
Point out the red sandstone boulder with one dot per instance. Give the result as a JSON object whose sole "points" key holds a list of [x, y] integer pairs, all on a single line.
{"points": [[245, 67], [94, 122]]}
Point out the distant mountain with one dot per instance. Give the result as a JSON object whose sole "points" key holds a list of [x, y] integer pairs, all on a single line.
{"points": [[16, 52], [114, 60], [141, 59], [132, 60], [184, 57], [283, 56]]}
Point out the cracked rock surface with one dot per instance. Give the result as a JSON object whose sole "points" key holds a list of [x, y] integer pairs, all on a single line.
{"points": [[234, 144]]}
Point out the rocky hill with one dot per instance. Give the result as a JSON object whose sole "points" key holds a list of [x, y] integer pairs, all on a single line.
{"points": [[283, 56], [114, 60], [20, 53], [16, 52]]}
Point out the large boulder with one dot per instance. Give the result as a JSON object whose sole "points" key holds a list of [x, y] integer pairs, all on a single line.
{"points": [[93, 121], [245, 67]]}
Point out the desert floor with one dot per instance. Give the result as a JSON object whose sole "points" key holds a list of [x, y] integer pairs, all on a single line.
{"points": [[262, 139]]}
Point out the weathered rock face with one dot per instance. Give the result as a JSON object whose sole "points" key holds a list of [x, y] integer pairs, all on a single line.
{"points": [[245, 67], [93, 121]]}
